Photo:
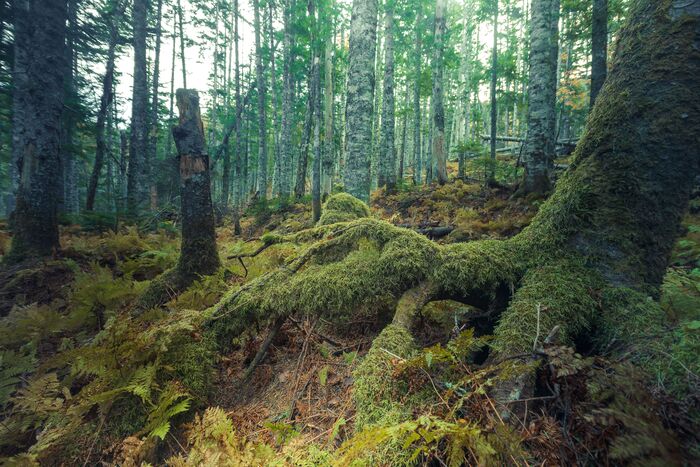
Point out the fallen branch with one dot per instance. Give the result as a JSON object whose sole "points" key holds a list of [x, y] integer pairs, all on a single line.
{"points": [[274, 329]]}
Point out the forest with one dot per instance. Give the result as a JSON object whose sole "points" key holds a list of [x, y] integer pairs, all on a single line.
{"points": [[349, 233]]}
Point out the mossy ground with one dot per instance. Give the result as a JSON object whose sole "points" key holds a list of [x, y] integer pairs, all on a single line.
{"points": [[310, 396]]}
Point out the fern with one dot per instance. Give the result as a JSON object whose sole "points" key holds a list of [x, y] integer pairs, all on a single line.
{"points": [[172, 401], [12, 366]]}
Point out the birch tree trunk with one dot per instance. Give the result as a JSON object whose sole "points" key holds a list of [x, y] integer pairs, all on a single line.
{"points": [[328, 133], [417, 162], [491, 172], [286, 142], [538, 152], [360, 93]]}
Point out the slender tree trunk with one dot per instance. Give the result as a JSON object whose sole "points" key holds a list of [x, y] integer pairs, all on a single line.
{"points": [[287, 109], [123, 168], [302, 162], [182, 45], [328, 133], [69, 200], [171, 114], [153, 149], [138, 171], [538, 152], [262, 122], [491, 172], [102, 114], [360, 93], [387, 156], [404, 124], [39, 48], [439, 149], [238, 180], [418, 163], [315, 91], [599, 47]]}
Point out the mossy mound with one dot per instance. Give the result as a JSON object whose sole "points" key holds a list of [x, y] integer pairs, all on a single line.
{"points": [[343, 207]]}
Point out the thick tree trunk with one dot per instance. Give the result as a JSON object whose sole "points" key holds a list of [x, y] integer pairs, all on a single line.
{"points": [[599, 47], [439, 148], [40, 30], [198, 254], [387, 155], [262, 122], [360, 93], [138, 170], [105, 102], [302, 161], [538, 152]]}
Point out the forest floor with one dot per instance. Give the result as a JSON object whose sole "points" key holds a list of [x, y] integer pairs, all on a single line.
{"points": [[301, 393]]}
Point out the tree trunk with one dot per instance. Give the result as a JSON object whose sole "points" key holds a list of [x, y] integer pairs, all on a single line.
{"points": [[103, 112], [287, 109], [417, 162], [262, 129], [328, 133], [138, 171], [538, 152], [153, 140], [182, 45], [171, 114], [238, 179], [69, 201], [599, 47], [360, 93], [302, 162], [315, 86], [387, 156], [39, 33], [198, 254], [404, 124], [491, 172], [439, 149]]}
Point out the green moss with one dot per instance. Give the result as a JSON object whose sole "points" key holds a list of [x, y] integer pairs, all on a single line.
{"points": [[343, 207], [192, 360], [563, 291]]}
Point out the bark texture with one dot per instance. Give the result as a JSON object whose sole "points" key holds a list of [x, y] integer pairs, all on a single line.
{"points": [[360, 97], [198, 255], [40, 29], [387, 155], [439, 148], [137, 179], [599, 47], [538, 153], [262, 92]]}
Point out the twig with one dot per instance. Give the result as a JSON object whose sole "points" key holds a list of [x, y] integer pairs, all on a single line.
{"points": [[94, 440], [274, 329], [537, 334]]}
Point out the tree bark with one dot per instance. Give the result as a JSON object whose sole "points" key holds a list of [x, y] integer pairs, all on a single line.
{"points": [[360, 93], [439, 149], [491, 172], [417, 162], [599, 47], [198, 254], [39, 32], [328, 133], [286, 142], [262, 92], [387, 156], [138, 171], [69, 201], [538, 152], [182, 45], [153, 136]]}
